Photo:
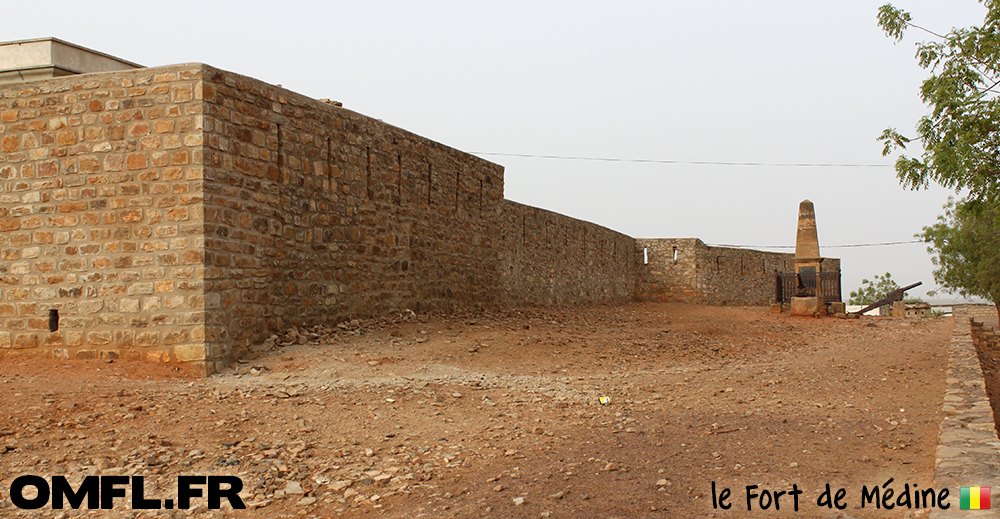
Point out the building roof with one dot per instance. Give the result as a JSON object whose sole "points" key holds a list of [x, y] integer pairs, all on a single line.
{"points": [[40, 58]]}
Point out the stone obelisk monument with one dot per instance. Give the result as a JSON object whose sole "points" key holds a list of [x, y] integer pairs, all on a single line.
{"points": [[807, 258], [807, 262]]}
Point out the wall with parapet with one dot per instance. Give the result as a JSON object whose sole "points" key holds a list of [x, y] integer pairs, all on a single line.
{"points": [[179, 213], [316, 213], [550, 259], [182, 213], [686, 270], [980, 311], [670, 269]]}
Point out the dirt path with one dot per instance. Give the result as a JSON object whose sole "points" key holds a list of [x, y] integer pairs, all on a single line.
{"points": [[498, 415]]}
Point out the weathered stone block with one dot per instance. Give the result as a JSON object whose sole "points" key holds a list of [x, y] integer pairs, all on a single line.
{"points": [[189, 352], [25, 341], [175, 337], [73, 338], [100, 338], [806, 306], [140, 289], [89, 307], [158, 356], [54, 339]]}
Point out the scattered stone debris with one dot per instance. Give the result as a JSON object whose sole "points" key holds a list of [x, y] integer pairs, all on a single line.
{"points": [[399, 416]]}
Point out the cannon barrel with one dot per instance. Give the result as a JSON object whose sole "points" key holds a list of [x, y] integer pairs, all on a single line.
{"points": [[895, 295]]}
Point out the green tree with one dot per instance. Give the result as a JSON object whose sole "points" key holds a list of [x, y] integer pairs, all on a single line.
{"points": [[960, 137], [871, 291], [965, 243]]}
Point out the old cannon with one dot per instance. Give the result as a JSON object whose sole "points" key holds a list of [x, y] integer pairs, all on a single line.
{"points": [[891, 297]]}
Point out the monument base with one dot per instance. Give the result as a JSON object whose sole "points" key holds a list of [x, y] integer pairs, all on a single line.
{"points": [[806, 306]]}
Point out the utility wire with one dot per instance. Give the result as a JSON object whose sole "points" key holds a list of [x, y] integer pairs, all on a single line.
{"points": [[824, 246], [652, 161], [684, 162]]}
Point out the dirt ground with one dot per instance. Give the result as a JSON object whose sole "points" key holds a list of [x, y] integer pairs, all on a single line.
{"points": [[499, 414]]}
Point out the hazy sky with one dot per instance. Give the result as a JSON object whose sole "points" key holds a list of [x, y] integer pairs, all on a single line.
{"points": [[768, 81]]}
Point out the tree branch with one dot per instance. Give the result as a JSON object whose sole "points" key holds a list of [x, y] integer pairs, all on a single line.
{"points": [[928, 31]]}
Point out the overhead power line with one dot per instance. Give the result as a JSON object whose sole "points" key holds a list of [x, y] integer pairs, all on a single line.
{"points": [[686, 162], [824, 246]]}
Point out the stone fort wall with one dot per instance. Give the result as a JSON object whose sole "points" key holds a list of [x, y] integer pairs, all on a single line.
{"points": [[686, 270], [550, 259], [101, 215], [980, 311], [180, 213], [314, 213]]}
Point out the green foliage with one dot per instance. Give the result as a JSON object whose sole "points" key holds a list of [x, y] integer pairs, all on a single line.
{"points": [[871, 291], [893, 21], [960, 137], [965, 243]]}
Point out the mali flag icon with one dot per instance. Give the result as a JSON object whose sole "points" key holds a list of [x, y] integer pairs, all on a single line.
{"points": [[974, 498]]}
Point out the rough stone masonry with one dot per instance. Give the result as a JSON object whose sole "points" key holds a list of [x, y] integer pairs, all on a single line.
{"points": [[180, 213]]}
